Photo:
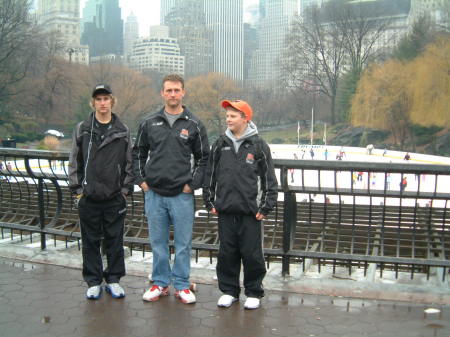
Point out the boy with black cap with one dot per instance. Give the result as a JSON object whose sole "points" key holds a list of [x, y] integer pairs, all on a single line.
{"points": [[100, 176], [241, 188]]}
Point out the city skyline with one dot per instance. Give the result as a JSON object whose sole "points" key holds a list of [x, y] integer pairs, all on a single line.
{"points": [[148, 12]]}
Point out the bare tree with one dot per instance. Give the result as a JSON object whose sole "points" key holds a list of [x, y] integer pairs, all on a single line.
{"points": [[16, 33], [315, 56], [328, 41], [362, 24], [46, 94], [204, 94]]}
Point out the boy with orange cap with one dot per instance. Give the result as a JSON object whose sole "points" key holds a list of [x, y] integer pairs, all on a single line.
{"points": [[241, 188]]}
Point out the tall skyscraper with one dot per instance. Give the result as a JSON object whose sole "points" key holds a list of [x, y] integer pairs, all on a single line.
{"points": [[250, 47], [187, 24], [304, 4], [62, 17], [102, 27], [225, 18], [130, 34], [165, 7], [275, 19]]}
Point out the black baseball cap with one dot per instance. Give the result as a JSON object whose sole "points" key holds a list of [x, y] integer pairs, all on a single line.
{"points": [[101, 89]]}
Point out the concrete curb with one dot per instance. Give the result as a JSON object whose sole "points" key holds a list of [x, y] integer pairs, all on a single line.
{"points": [[340, 284]]}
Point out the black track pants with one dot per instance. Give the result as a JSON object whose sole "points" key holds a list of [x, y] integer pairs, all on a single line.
{"points": [[102, 219], [240, 240]]}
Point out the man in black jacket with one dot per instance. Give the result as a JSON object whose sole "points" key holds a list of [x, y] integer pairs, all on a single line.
{"points": [[241, 187], [170, 156], [100, 176]]}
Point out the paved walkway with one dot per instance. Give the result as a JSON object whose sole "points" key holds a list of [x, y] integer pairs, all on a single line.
{"points": [[42, 300]]}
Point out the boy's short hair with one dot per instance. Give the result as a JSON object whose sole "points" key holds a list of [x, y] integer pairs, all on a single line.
{"points": [[235, 110], [113, 101], [172, 78]]}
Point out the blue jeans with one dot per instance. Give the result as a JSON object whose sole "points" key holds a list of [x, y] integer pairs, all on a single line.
{"points": [[161, 212]]}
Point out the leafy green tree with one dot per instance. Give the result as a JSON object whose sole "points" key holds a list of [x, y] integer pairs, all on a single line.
{"points": [[345, 94], [414, 43]]}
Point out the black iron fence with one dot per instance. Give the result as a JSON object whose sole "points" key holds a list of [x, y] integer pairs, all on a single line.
{"points": [[331, 213]]}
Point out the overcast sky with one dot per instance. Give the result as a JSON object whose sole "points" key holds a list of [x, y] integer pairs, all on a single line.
{"points": [[147, 12]]}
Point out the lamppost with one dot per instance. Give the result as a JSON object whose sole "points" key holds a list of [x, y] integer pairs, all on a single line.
{"points": [[70, 51], [314, 91]]}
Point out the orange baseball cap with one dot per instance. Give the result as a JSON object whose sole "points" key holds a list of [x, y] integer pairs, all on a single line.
{"points": [[241, 106]]}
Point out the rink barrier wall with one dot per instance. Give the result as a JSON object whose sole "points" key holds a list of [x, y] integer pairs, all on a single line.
{"points": [[321, 219]]}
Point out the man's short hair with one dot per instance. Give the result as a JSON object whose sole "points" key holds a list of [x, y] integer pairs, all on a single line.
{"points": [[172, 78]]}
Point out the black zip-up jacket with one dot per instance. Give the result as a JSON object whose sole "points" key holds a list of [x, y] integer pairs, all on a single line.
{"points": [[169, 151], [101, 168], [231, 179]]}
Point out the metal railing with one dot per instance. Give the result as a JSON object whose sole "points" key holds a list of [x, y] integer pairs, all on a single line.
{"points": [[370, 221], [330, 213]]}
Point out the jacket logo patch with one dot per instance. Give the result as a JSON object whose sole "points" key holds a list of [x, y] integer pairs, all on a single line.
{"points": [[157, 123], [184, 133], [250, 158]]}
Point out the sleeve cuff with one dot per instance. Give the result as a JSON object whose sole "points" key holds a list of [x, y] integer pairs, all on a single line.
{"points": [[77, 191], [139, 181], [263, 212]]}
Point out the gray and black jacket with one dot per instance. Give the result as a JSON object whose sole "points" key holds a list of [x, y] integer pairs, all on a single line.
{"points": [[242, 181], [162, 155], [101, 167]]}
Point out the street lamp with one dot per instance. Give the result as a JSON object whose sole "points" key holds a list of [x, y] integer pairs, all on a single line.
{"points": [[70, 51]]}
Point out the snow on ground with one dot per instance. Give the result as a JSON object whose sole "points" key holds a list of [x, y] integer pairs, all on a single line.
{"points": [[377, 181], [286, 151]]}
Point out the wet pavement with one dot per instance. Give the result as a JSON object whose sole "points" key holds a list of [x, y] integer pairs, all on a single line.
{"points": [[44, 300]]}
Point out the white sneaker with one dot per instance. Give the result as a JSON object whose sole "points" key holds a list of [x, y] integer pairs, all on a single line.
{"points": [[94, 292], [154, 293], [185, 296], [252, 303], [115, 290], [226, 301]]}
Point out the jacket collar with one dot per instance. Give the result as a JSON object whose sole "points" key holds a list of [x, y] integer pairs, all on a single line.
{"points": [[116, 123], [186, 114]]}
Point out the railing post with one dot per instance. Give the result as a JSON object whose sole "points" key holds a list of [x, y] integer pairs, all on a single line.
{"points": [[290, 220], [41, 212]]}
